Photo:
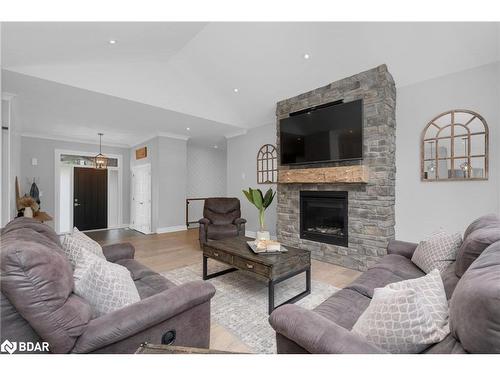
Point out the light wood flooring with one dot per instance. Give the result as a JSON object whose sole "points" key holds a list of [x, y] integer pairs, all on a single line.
{"points": [[164, 252]]}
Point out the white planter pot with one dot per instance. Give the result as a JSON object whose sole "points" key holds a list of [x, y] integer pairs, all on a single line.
{"points": [[263, 235]]}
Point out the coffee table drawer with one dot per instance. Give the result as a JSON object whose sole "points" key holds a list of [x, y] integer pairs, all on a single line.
{"points": [[218, 255], [252, 266]]}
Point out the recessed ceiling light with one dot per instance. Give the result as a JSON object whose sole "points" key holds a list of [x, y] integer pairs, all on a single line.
{"points": [[306, 56], [215, 146], [236, 89], [188, 129], [112, 41]]}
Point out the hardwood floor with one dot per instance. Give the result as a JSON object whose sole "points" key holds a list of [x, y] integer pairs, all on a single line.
{"points": [[164, 252]]}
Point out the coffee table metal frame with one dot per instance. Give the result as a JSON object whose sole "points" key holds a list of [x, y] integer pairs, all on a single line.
{"points": [[272, 281]]}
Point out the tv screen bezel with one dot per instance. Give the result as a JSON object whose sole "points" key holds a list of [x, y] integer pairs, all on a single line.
{"points": [[319, 108]]}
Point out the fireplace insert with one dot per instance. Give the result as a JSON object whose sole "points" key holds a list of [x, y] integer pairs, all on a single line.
{"points": [[324, 217]]}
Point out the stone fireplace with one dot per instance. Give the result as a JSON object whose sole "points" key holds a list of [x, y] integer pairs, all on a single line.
{"points": [[352, 232], [324, 217]]}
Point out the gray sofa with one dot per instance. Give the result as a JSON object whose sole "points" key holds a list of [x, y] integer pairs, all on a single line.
{"points": [[38, 303], [472, 285]]}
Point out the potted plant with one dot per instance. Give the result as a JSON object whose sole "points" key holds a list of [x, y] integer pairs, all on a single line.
{"points": [[261, 201]]}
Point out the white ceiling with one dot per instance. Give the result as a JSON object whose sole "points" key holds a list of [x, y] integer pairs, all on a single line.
{"points": [[54, 110], [192, 68]]}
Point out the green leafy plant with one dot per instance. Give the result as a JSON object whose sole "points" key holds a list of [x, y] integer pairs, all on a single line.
{"points": [[261, 201]]}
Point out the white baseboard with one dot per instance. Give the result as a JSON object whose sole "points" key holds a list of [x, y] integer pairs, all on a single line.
{"points": [[119, 226], [253, 234], [175, 228]]}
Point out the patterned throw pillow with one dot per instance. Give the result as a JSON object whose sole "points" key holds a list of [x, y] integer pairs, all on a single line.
{"points": [[74, 245], [104, 285], [407, 316], [431, 292], [92, 245], [438, 252], [397, 321]]}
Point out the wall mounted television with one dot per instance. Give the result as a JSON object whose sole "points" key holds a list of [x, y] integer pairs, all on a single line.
{"points": [[331, 132]]}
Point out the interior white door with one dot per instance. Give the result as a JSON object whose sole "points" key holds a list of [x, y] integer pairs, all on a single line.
{"points": [[141, 198]]}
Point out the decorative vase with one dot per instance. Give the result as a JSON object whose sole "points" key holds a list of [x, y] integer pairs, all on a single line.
{"points": [[28, 212], [263, 235]]}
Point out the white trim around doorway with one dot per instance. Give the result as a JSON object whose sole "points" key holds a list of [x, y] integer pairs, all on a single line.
{"points": [[57, 177]]}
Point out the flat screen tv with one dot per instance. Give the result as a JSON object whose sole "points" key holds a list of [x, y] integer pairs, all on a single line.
{"points": [[328, 133]]}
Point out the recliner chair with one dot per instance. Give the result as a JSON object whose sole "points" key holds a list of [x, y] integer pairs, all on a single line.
{"points": [[221, 219]]}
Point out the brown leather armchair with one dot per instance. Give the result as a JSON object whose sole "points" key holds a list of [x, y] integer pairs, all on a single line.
{"points": [[221, 219]]}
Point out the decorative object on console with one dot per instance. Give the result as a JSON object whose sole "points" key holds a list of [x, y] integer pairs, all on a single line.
{"points": [[267, 165], [262, 202], [100, 161], [438, 252], [454, 146], [27, 202]]}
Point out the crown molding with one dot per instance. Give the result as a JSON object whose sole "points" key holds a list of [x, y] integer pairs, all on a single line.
{"points": [[236, 133], [73, 140], [173, 135], [157, 135], [143, 140]]}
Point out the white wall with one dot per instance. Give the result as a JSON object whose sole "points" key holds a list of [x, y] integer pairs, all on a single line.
{"points": [[172, 183], [242, 173], [206, 175], [44, 151], [423, 207], [168, 159]]}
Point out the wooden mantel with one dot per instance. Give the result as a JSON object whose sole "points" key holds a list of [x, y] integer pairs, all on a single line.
{"points": [[354, 174]]}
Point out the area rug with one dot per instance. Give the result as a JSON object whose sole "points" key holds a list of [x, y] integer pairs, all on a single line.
{"points": [[240, 303]]}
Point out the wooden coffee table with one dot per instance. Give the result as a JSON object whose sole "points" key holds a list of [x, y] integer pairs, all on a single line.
{"points": [[275, 268]]}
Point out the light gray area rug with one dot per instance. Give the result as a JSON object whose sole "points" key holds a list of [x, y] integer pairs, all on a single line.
{"points": [[240, 303]]}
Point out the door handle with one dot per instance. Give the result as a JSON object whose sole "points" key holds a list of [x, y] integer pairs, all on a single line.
{"points": [[77, 204]]}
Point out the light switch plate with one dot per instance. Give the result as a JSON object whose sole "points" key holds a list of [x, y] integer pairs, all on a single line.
{"points": [[34, 161]]}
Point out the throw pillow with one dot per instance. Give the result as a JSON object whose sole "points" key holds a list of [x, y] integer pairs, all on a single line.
{"points": [[92, 245], [431, 292], [74, 245], [438, 252], [397, 321], [104, 285]]}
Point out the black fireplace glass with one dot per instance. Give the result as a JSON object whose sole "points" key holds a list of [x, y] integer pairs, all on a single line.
{"points": [[324, 216]]}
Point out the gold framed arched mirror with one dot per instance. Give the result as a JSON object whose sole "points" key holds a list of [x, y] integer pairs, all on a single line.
{"points": [[454, 146]]}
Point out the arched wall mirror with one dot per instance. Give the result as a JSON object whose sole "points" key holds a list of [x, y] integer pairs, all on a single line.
{"points": [[267, 165], [454, 146]]}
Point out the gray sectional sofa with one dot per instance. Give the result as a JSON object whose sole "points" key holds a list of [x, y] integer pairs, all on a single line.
{"points": [[472, 285], [38, 303]]}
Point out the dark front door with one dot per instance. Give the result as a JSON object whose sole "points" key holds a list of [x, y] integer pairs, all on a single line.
{"points": [[90, 195]]}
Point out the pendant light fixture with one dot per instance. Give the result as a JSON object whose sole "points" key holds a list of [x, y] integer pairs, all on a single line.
{"points": [[100, 161]]}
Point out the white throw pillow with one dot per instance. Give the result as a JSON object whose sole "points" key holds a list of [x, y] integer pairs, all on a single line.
{"points": [[438, 252], [397, 321], [104, 285], [74, 244], [92, 245], [407, 316], [431, 293]]}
